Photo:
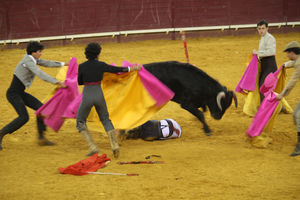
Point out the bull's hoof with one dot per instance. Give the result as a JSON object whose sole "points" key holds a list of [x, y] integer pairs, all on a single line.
{"points": [[208, 134], [1, 137], [207, 131], [296, 151]]}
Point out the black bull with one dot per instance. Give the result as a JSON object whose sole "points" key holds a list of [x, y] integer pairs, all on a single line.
{"points": [[193, 89]]}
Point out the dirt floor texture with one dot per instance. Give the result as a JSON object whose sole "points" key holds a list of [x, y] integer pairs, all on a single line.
{"points": [[222, 166]]}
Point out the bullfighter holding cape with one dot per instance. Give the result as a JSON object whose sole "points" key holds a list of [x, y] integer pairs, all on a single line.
{"points": [[293, 53], [249, 86], [23, 77], [131, 100]]}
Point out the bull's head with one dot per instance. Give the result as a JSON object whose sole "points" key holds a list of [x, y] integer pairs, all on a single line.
{"points": [[221, 102]]}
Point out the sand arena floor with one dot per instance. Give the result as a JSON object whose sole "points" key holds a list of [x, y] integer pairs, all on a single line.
{"points": [[223, 166]]}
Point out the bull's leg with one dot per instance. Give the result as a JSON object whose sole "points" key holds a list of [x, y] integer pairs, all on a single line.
{"points": [[196, 112]]}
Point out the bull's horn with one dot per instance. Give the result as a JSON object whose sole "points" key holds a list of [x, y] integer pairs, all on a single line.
{"points": [[219, 97], [235, 100]]}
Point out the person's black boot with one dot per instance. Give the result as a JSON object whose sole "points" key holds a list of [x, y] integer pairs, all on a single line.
{"points": [[134, 133], [297, 148], [42, 140]]}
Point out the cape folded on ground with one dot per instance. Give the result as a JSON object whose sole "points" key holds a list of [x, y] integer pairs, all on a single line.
{"points": [[132, 98], [82, 167], [54, 108]]}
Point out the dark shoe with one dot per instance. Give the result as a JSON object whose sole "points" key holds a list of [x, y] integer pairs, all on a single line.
{"points": [[93, 149], [149, 139], [88, 138], [134, 133], [284, 110], [114, 143], [116, 152], [45, 142], [296, 151], [92, 152]]}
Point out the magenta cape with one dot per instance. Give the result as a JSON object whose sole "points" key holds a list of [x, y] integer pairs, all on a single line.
{"points": [[267, 107], [248, 79], [53, 109]]}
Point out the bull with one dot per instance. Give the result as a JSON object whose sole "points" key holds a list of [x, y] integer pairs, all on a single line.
{"points": [[193, 89]]}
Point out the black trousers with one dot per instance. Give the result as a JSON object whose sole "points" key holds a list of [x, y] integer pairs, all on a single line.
{"points": [[268, 65], [19, 99]]}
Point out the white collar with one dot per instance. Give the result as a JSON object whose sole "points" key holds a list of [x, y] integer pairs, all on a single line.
{"points": [[34, 60], [267, 34]]}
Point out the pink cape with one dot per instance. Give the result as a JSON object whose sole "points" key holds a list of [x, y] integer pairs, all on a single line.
{"points": [[264, 113], [53, 109], [71, 111], [248, 79], [155, 87], [267, 107]]}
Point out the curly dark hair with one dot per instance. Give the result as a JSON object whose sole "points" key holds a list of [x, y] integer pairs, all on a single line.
{"points": [[34, 46], [92, 50], [262, 22]]}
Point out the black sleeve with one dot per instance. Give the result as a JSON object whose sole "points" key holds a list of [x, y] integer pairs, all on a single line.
{"points": [[79, 76], [113, 69]]}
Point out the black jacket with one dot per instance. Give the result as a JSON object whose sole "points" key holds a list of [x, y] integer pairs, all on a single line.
{"points": [[92, 71]]}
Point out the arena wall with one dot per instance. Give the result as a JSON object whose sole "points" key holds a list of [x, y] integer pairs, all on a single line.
{"points": [[35, 18]]}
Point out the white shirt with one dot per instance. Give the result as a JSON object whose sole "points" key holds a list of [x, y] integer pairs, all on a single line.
{"points": [[34, 60], [267, 46]]}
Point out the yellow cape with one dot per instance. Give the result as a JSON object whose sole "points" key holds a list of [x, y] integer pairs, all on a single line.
{"points": [[129, 104]]}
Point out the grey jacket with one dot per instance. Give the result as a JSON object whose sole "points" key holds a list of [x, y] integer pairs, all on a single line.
{"points": [[27, 68], [294, 78]]}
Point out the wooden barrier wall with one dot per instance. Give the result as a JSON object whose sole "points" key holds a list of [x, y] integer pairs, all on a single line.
{"points": [[40, 18]]}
